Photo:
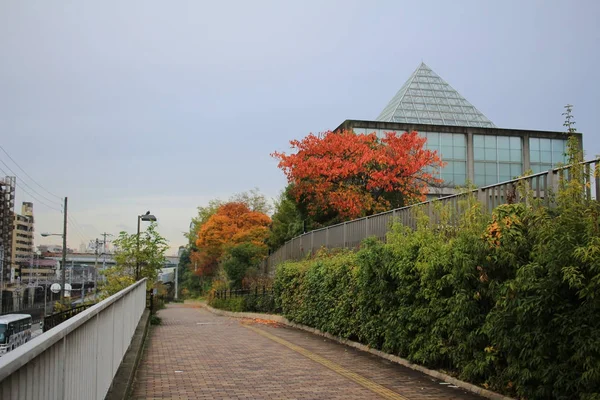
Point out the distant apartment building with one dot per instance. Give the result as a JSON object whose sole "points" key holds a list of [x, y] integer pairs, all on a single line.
{"points": [[22, 239], [7, 204]]}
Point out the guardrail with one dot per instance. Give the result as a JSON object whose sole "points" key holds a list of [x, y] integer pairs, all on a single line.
{"points": [[79, 358], [351, 233]]}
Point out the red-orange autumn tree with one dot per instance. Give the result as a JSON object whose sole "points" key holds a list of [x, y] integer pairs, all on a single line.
{"points": [[233, 223], [344, 175]]}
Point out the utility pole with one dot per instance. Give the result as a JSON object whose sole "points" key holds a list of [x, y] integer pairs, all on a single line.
{"points": [[104, 235], [95, 267], [64, 255]]}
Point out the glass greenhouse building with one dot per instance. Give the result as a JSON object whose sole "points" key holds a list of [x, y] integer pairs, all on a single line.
{"points": [[472, 147]]}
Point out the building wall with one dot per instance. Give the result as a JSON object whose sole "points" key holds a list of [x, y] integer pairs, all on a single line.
{"points": [[482, 156], [22, 238], [7, 198]]}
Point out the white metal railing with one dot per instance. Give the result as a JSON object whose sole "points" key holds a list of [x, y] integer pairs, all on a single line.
{"points": [[351, 233], [79, 358]]}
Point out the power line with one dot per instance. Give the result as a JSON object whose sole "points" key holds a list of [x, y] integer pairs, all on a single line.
{"points": [[74, 224], [25, 183], [17, 164], [78, 229], [38, 200]]}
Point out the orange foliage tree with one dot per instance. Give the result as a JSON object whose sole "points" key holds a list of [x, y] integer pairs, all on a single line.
{"points": [[232, 224], [345, 175]]}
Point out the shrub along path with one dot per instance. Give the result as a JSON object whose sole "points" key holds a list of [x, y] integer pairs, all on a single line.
{"points": [[194, 354]]}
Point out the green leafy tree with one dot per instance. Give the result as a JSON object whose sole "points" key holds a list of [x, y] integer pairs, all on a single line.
{"points": [[204, 213], [150, 256], [255, 201], [287, 221], [240, 259]]}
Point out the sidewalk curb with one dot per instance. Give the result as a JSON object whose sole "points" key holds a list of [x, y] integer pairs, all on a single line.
{"points": [[398, 360]]}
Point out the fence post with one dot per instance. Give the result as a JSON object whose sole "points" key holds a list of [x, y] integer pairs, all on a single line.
{"points": [[481, 197], [312, 241], [366, 227], [345, 235], [327, 237]]}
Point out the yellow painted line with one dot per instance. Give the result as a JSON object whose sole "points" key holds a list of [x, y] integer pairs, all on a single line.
{"points": [[361, 380]]}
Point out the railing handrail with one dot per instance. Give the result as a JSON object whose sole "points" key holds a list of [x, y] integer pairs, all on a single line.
{"points": [[483, 188], [14, 360]]}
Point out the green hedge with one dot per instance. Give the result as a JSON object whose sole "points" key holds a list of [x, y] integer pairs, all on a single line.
{"points": [[511, 303], [250, 303]]}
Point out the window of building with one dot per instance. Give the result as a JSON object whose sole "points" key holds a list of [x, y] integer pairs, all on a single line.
{"points": [[452, 149], [545, 154], [496, 158]]}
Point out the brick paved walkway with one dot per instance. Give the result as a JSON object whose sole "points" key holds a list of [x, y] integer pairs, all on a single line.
{"points": [[197, 355]]}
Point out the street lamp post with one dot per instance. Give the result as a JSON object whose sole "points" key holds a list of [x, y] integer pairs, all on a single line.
{"points": [[145, 217]]}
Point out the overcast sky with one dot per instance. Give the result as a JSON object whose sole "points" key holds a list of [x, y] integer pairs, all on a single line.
{"points": [[129, 106]]}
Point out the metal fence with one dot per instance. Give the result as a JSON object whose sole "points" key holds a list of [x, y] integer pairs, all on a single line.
{"points": [[256, 292], [79, 358], [350, 234], [58, 318]]}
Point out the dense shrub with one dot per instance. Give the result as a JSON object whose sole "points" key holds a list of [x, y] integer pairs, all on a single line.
{"points": [[230, 304], [509, 302]]}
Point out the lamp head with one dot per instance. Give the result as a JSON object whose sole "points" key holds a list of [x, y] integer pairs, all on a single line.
{"points": [[148, 217]]}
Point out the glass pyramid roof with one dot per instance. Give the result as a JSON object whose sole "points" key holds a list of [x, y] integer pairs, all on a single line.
{"points": [[426, 98]]}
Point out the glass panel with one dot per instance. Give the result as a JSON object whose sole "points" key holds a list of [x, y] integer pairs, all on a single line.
{"points": [[503, 155], [503, 142], [515, 170], [534, 156], [504, 169], [515, 143], [359, 131], [534, 144], [460, 167], [459, 139], [448, 177], [536, 168], [478, 141], [446, 139], [515, 155], [546, 156], [558, 145], [479, 154], [446, 151], [490, 141], [490, 154], [460, 179], [490, 169], [460, 153], [545, 145], [433, 137]]}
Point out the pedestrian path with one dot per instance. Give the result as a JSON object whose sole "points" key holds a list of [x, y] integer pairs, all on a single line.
{"points": [[195, 354]]}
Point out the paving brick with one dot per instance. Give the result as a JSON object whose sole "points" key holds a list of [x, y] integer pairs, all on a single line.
{"points": [[194, 354]]}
